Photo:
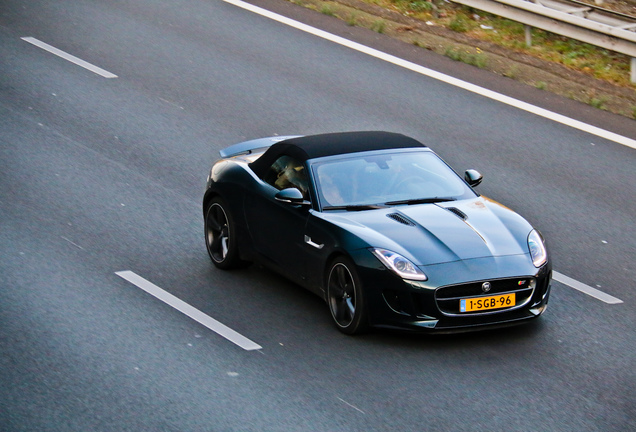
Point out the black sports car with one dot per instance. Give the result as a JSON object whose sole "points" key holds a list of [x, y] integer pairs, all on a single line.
{"points": [[380, 227]]}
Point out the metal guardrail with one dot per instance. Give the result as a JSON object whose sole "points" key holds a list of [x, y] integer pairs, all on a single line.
{"points": [[581, 21]]}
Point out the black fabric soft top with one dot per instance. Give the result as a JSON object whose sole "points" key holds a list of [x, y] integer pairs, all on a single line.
{"points": [[315, 146]]}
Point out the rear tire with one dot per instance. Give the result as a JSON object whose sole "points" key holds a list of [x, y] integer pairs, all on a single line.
{"points": [[345, 297], [220, 235]]}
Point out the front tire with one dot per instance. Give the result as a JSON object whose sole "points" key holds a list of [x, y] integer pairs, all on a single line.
{"points": [[345, 297], [220, 235]]}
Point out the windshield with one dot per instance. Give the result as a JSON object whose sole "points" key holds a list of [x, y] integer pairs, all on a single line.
{"points": [[397, 178]]}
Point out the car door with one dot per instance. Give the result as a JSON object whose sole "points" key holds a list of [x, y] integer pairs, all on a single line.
{"points": [[277, 228]]}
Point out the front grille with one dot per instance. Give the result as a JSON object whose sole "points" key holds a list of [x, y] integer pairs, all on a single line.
{"points": [[448, 298]]}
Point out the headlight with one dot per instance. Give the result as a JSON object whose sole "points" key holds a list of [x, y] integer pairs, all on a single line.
{"points": [[537, 249], [400, 265]]}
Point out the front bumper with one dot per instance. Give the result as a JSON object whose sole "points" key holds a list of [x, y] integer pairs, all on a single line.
{"points": [[433, 305]]}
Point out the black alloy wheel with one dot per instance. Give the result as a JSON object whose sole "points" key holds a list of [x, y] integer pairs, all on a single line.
{"points": [[345, 297], [220, 235]]}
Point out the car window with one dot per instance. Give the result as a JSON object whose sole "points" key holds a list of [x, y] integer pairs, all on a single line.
{"points": [[387, 177], [287, 172]]}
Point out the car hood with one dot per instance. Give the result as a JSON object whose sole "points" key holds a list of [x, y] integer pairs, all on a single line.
{"points": [[439, 233]]}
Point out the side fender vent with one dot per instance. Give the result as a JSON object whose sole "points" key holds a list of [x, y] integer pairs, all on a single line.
{"points": [[457, 212], [401, 219]]}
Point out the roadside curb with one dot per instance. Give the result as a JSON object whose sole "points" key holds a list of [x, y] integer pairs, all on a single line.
{"points": [[550, 76]]}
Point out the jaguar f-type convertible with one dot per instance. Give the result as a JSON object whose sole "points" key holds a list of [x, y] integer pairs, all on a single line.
{"points": [[380, 227]]}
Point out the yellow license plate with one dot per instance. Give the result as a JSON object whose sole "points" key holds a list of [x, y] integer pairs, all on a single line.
{"points": [[486, 303]]}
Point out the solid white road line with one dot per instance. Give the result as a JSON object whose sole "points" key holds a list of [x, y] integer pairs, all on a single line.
{"points": [[190, 311], [438, 75], [572, 283], [69, 57]]}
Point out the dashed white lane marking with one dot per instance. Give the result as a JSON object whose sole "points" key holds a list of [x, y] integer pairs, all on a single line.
{"points": [[69, 57], [438, 75], [352, 406], [73, 243], [572, 283], [195, 314]]}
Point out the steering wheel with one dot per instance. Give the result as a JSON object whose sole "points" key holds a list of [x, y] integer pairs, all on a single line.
{"points": [[406, 181]]}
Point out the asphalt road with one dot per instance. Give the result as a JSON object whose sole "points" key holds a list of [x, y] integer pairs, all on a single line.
{"points": [[103, 175]]}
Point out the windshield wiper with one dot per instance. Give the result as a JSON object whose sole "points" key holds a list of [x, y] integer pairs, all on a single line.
{"points": [[355, 207], [420, 201]]}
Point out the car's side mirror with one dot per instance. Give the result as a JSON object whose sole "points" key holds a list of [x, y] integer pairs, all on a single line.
{"points": [[473, 177], [291, 196]]}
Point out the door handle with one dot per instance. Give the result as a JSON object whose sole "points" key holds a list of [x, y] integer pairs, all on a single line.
{"points": [[311, 243]]}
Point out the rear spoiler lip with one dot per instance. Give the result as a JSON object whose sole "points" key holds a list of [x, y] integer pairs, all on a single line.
{"points": [[249, 146]]}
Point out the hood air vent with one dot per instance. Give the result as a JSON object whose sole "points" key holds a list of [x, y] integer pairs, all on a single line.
{"points": [[457, 212], [401, 219]]}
